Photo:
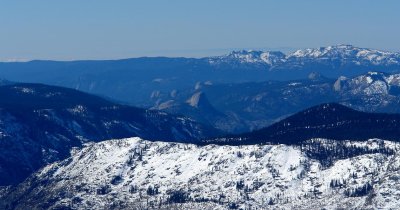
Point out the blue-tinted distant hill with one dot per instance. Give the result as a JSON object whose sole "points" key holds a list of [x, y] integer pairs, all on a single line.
{"points": [[328, 121]]}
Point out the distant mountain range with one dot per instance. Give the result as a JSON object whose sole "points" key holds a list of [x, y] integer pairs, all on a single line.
{"points": [[136, 81], [338, 57], [237, 92], [40, 124]]}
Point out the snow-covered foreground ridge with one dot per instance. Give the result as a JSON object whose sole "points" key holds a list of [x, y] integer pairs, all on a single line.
{"points": [[134, 173]]}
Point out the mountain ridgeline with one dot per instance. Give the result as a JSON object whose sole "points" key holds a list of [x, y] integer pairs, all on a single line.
{"points": [[135, 80], [329, 121], [40, 124], [238, 92], [137, 174]]}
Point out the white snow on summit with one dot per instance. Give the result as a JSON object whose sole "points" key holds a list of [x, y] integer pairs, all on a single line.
{"points": [[250, 56], [140, 173], [348, 52], [345, 53], [372, 83]]}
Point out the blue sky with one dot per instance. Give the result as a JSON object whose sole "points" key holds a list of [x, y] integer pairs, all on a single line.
{"points": [[105, 29]]}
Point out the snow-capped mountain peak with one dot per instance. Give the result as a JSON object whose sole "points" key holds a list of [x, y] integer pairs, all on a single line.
{"points": [[349, 53], [248, 56], [316, 52], [371, 83], [344, 53], [273, 57], [330, 51], [251, 56]]}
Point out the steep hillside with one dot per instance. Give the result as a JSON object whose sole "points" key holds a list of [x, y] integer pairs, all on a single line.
{"points": [[332, 121], [39, 124]]}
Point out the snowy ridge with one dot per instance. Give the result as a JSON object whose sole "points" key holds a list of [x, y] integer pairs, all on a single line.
{"points": [[371, 83], [345, 53], [376, 57], [250, 56], [136, 173]]}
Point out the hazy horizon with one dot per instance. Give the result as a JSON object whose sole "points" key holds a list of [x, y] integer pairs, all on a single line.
{"points": [[86, 30], [183, 53]]}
